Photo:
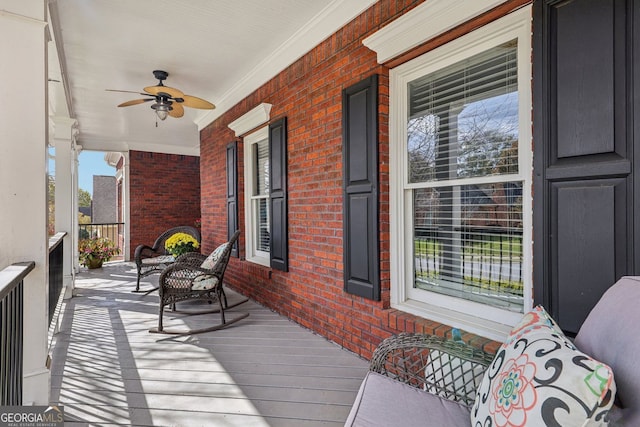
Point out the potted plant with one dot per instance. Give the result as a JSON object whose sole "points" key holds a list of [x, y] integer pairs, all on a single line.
{"points": [[93, 252], [181, 243]]}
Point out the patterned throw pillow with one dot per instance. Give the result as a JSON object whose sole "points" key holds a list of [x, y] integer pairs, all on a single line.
{"points": [[202, 283], [539, 378], [211, 260]]}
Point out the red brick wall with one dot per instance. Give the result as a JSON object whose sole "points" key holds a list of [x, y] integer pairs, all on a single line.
{"points": [[164, 193], [308, 93]]}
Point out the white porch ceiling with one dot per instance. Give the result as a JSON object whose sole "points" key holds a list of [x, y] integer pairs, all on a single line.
{"points": [[219, 50]]}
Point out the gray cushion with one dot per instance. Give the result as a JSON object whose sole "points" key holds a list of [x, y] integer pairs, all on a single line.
{"points": [[610, 334], [384, 402], [162, 259]]}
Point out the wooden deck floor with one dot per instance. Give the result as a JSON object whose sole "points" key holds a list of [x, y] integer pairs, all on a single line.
{"points": [[262, 371]]}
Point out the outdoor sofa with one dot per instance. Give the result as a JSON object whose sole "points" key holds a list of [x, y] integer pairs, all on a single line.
{"points": [[537, 378]]}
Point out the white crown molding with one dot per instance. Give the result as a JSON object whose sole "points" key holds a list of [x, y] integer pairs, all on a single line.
{"points": [[112, 158], [61, 59], [327, 22], [165, 149], [65, 121], [251, 120], [94, 144], [62, 128], [430, 19], [24, 18]]}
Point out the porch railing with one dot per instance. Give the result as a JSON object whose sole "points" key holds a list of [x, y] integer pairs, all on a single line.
{"points": [[12, 331], [56, 251], [114, 231], [483, 258]]}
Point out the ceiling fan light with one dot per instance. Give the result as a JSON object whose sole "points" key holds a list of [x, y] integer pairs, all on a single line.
{"points": [[162, 114], [162, 109]]}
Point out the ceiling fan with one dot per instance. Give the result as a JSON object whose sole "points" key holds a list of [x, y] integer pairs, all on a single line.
{"points": [[168, 100]]}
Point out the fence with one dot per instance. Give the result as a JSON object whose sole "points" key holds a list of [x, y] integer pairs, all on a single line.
{"points": [[56, 251], [114, 231], [12, 317], [12, 331], [482, 259]]}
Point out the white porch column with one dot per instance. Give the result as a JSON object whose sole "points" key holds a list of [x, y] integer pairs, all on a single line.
{"points": [[64, 142], [126, 206], [23, 174], [77, 149]]}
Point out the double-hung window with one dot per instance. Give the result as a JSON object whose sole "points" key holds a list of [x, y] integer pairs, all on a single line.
{"points": [[461, 179], [256, 161]]}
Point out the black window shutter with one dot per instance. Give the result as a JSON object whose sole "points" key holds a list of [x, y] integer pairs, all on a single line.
{"points": [[360, 188], [232, 194], [278, 195], [585, 157]]}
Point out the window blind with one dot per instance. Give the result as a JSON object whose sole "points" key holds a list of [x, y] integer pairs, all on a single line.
{"points": [[463, 119], [491, 72], [468, 242], [261, 195], [263, 224], [463, 124], [262, 167]]}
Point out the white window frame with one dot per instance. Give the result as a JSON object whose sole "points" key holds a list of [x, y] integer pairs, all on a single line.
{"points": [[252, 253], [478, 318]]}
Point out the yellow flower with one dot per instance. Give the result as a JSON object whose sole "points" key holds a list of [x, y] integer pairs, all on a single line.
{"points": [[180, 243]]}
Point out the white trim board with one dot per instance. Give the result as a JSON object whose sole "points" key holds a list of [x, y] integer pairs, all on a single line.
{"points": [[430, 19]]}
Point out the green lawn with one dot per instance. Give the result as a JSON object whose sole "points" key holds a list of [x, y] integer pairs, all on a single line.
{"points": [[513, 286], [500, 245], [488, 251]]}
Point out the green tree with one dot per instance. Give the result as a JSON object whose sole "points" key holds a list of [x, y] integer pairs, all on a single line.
{"points": [[487, 152], [51, 202], [84, 198]]}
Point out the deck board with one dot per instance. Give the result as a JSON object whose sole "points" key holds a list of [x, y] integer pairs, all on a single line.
{"points": [[265, 370]]}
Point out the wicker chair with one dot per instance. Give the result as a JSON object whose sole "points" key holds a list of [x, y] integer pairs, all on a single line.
{"points": [[154, 259], [179, 282], [449, 370]]}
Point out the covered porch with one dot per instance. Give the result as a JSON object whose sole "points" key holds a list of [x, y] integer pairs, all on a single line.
{"points": [[354, 282], [262, 371]]}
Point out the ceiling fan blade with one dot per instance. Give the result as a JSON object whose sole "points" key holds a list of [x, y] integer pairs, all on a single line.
{"points": [[195, 102], [127, 91], [178, 110], [135, 102], [155, 90]]}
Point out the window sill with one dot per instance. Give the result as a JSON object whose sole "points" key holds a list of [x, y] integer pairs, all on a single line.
{"points": [[265, 262], [476, 325]]}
